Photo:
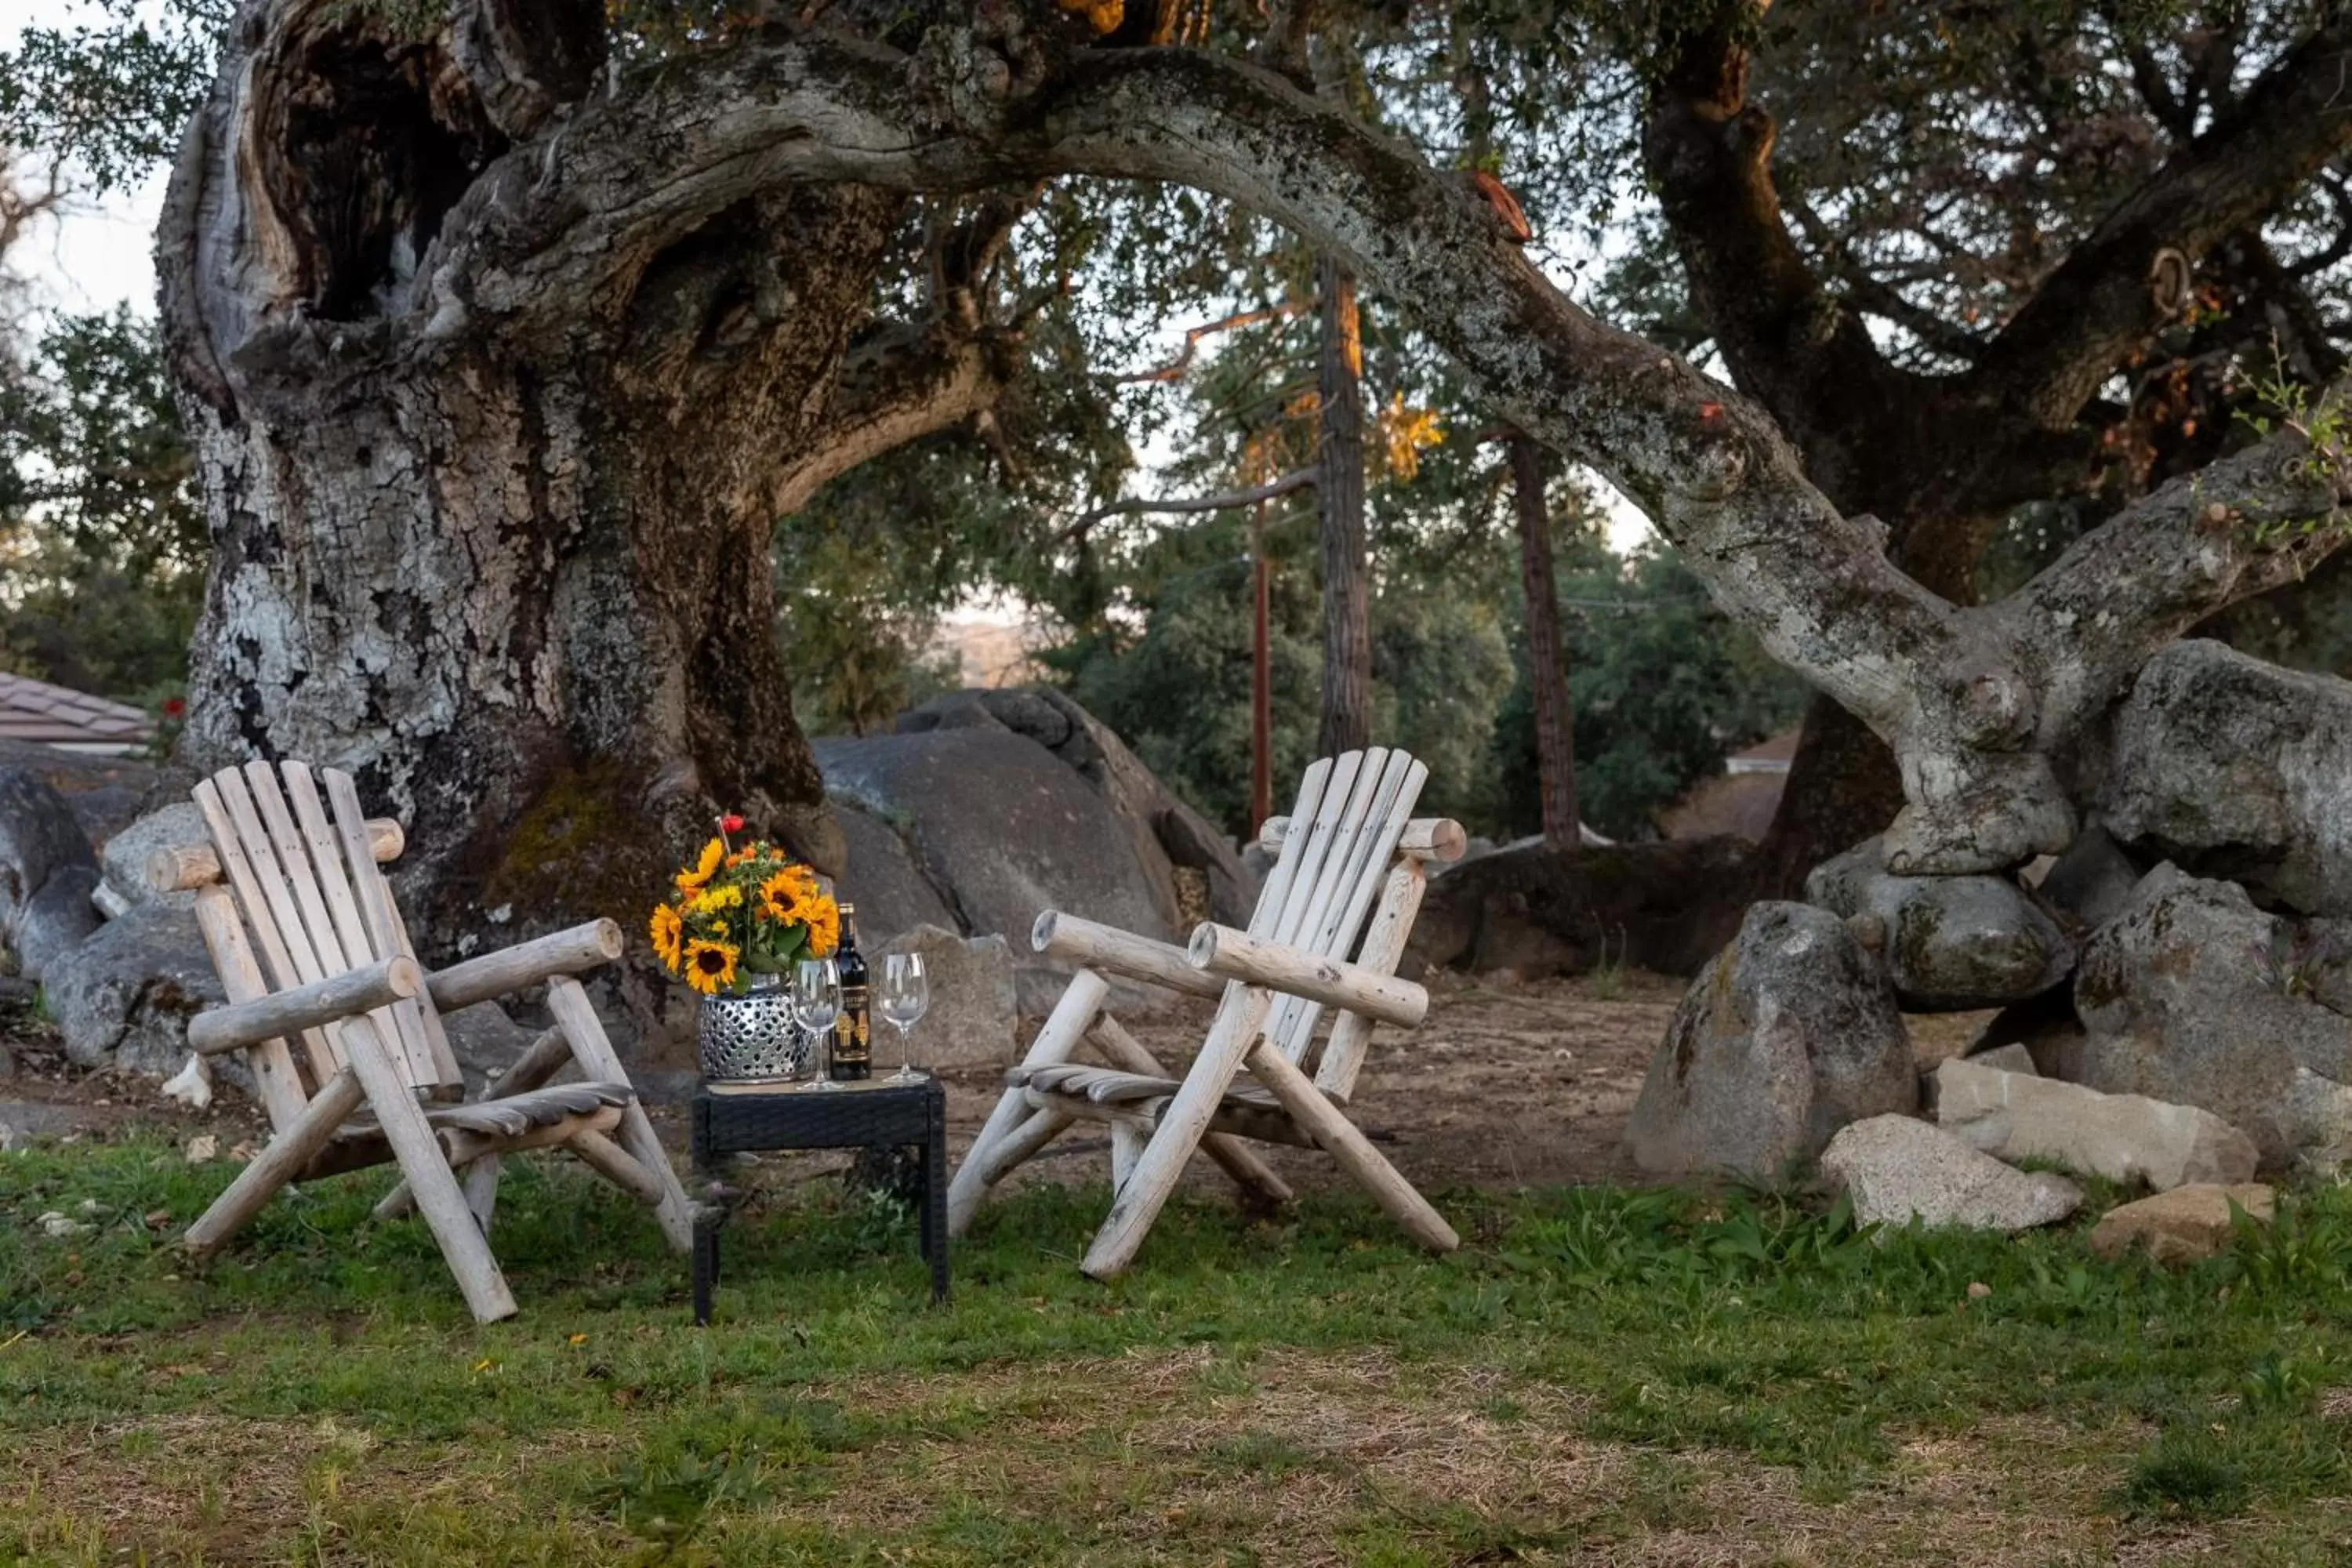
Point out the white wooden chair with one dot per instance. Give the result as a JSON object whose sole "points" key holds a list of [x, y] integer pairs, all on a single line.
{"points": [[1349, 852], [310, 948]]}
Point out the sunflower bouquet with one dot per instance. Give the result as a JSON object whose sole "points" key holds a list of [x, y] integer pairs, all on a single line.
{"points": [[741, 913]]}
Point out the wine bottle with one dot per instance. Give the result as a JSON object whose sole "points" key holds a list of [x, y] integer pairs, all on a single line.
{"points": [[852, 1035]]}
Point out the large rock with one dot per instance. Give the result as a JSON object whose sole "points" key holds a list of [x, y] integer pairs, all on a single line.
{"points": [[123, 998], [2181, 1000], [123, 861], [48, 872], [2184, 1224], [1788, 1035], [1951, 945], [2123, 1137], [103, 793], [1162, 827], [974, 1018], [2093, 882], [891, 890], [1895, 1169], [1008, 829], [1530, 909], [2234, 768]]}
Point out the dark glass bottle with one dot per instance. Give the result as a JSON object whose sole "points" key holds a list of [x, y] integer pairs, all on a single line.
{"points": [[853, 1034]]}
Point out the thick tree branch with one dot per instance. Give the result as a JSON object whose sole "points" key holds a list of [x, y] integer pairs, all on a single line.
{"points": [[1958, 695], [1787, 338], [904, 385], [526, 58], [2089, 313]]}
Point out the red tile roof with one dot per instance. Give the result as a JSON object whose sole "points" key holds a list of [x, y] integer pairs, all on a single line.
{"points": [[56, 716]]}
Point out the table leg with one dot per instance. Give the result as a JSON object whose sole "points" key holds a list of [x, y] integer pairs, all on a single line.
{"points": [[935, 1195], [706, 1266]]}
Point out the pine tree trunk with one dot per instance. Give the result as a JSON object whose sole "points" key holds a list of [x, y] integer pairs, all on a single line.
{"points": [[1547, 655], [1340, 494]]}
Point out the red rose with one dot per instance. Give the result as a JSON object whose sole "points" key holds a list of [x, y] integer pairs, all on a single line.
{"points": [[731, 822], [173, 707]]}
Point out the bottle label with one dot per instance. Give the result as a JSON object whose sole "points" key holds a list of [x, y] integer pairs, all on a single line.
{"points": [[851, 1035]]}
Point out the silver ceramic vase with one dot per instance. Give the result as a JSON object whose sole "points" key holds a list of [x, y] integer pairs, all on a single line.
{"points": [[752, 1037]]}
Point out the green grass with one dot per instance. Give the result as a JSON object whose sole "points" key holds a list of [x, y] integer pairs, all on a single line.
{"points": [[1600, 1375]]}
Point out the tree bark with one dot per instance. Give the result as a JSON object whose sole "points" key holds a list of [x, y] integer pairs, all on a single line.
{"points": [[1347, 724], [1547, 655]]}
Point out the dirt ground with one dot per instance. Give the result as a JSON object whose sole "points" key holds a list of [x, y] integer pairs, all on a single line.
{"points": [[1503, 1085]]}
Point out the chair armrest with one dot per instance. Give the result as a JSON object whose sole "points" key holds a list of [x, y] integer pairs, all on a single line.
{"points": [[1232, 954], [284, 1013], [1094, 946], [525, 964]]}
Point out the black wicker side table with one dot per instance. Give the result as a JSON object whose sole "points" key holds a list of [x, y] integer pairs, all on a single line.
{"points": [[875, 1114]]}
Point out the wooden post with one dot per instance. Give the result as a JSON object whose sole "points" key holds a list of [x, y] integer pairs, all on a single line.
{"points": [[280, 1160], [1162, 1164], [426, 1165], [527, 963], [1237, 955], [1338, 1138], [1261, 677], [1547, 658], [600, 1063], [1252, 1175], [1063, 1029]]}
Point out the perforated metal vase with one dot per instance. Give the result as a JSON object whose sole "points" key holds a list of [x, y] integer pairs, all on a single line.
{"points": [[753, 1038]]}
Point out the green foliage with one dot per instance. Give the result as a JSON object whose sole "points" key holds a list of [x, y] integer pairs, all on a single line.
{"points": [[113, 96], [1661, 684], [100, 522]]}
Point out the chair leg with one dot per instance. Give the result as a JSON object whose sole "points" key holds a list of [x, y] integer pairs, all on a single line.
{"points": [[982, 1167], [598, 1060], [1127, 1141], [481, 1185], [426, 1165], [1181, 1125], [1339, 1137], [1253, 1175], [280, 1162]]}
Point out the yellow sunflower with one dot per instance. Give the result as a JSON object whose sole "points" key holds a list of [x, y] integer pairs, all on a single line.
{"points": [[782, 896], [710, 966], [824, 918], [668, 931], [710, 900], [706, 868]]}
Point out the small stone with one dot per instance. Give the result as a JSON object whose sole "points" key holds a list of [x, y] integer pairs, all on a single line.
{"points": [[2123, 1137], [1896, 1169], [2183, 1225], [60, 1226], [1978, 1290], [202, 1148]]}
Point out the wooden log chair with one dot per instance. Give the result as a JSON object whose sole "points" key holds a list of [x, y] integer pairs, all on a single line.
{"points": [[342, 1030], [1350, 853]]}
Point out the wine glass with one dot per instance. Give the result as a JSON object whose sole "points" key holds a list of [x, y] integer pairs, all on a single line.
{"points": [[906, 995], [816, 1003]]}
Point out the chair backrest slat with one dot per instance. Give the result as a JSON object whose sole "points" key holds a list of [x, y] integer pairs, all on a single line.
{"points": [[246, 880], [302, 877], [408, 1024], [422, 1044], [1338, 792], [1352, 881], [1284, 870]]}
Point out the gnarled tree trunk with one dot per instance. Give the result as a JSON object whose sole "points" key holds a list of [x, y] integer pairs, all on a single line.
{"points": [[511, 568]]}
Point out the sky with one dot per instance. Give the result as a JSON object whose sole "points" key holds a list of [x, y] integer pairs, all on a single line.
{"points": [[100, 254]]}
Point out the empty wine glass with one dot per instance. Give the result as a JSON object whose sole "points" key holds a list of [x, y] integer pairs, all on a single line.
{"points": [[816, 1003], [906, 995]]}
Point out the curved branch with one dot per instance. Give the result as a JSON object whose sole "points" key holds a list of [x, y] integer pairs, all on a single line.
{"points": [[902, 385], [2051, 357], [1302, 479]]}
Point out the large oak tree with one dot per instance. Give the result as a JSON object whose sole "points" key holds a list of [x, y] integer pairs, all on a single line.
{"points": [[502, 352]]}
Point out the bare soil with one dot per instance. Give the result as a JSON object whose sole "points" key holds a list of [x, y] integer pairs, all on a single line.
{"points": [[1505, 1085]]}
